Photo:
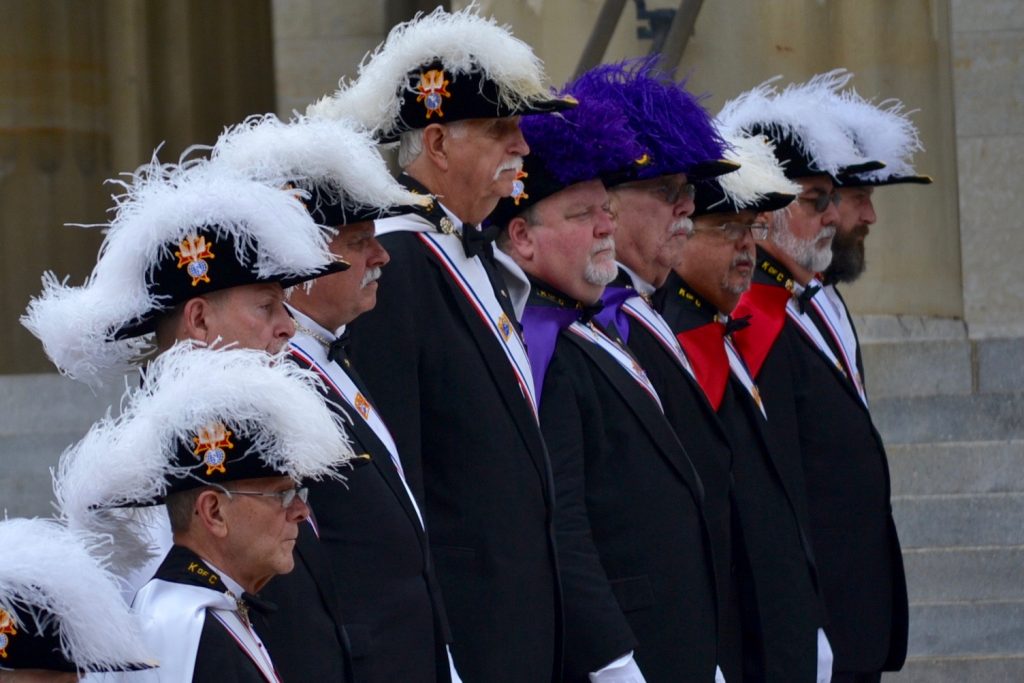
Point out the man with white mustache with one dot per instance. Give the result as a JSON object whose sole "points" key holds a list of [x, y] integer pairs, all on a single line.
{"points": [[780, 610], [442, 353], [618, 466], [814, 397]]}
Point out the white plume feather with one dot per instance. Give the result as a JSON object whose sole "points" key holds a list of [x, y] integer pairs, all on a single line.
{"points": [[882, 131], [55, 575], [160, 206], [801, 111], [128, 460], [759, 174], [464, 41], [334, 156]]}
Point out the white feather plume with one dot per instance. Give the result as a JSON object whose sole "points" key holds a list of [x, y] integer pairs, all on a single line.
{"points": [[54, 574], [335, 156], [160, 206], [801, 111], [127, 461], [464, 41], [882, 131], [759, 174]]}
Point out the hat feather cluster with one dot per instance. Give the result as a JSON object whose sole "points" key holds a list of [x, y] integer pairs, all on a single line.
{"points": [[160, 206], [669, 122], [759, 174], [881, 131], [53, 574], [336, 158], [798, 113], [464, 41]]}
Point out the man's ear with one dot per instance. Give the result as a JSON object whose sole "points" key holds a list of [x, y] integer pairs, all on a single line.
{"points": [[195, 319], [435, 145], [210, 512], [520, 239]]}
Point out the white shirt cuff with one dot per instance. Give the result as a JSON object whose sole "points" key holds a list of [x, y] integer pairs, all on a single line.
{"points": [[622, 670]]}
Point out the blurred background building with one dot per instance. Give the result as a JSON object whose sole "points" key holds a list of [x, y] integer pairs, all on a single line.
{"points": [[89, 88]]}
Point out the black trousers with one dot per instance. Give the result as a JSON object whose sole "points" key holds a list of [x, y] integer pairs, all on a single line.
{"points": [[856, 677]]}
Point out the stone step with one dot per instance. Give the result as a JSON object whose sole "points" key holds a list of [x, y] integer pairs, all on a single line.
{"points": [[52, 404], [918, 368], [960, 520], [965, 574], [989, 669], [931, 419], [957, 467], [963, 629]]}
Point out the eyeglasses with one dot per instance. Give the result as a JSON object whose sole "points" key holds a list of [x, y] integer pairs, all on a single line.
{"points": [[286, 497], [671, 192], [821, 202], [734, 231]]}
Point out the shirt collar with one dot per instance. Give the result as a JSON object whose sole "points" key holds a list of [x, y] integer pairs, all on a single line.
{"points": [[642, 287], [312, 325]]}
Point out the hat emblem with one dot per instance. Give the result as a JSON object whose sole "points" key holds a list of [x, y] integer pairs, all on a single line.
{"points": [[433, 87], [193, 253], [6, 629], [211, 440], [519, 187]]}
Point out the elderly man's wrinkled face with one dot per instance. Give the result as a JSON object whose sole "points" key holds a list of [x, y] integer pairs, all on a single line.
{"points": [[856, 216], [571, 242], [804, 229], [718, 257], [653, 219], [251, 316], [484, 156]]}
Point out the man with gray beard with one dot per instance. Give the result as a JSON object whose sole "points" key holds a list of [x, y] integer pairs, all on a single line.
{"points": [[637, 571], [813, 397]]}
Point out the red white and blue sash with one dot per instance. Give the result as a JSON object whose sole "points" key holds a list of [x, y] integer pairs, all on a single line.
{"points": [[833, 313], [590, 333], [248, 641], [641, 311], [742, 373]]}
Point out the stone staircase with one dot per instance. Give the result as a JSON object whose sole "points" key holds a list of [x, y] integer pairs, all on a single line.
{"points": [[952, 413]]}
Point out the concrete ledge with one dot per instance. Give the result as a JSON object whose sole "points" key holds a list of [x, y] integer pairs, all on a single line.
{"points": [[936, 468], [960, 521], [959, 670], [964, 574], [930, 419], [1000, 365], [917, 368], [988, 628]]}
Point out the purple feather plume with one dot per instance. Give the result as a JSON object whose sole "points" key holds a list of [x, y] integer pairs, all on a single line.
{"points": [[583, 143], [672, 127]]}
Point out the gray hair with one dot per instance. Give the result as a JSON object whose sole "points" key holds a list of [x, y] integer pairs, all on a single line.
{"points": [[410, 144]]}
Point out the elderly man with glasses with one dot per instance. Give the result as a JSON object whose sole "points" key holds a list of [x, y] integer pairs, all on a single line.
{"points": [[813, 396]]}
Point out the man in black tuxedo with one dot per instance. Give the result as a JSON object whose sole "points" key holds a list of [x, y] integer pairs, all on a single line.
{"points": [[442, 354]]}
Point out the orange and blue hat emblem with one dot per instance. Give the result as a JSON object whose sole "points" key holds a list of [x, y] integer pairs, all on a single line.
{"points": [[7, 629], [212, 442], [519, 187], [193, 253], [433, 87]]}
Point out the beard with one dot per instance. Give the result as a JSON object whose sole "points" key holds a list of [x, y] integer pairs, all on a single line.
{"points": [[848, 262], [805, 252], [601, 273], [742, 285]]}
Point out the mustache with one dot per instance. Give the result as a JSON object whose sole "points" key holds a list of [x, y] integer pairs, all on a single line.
{"points": [[513, 164], [683, 225], [603, 244], [743, 260], [371, 275]]}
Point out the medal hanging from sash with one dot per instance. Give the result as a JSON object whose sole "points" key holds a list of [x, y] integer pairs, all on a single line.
{"points": [[472, 279], [740, 371], [343, 385], [247, 640], [591, 333], [831, 322], [641, 311]]}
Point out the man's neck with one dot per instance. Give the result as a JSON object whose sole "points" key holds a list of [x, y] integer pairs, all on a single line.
{"points": [[210, 553], [721, 301], [800, 274], [437, 184]]}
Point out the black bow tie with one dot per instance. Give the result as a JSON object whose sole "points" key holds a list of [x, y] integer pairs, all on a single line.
{"points": [[587, 313], [257, 603], [338, 349], [476, 242], [736, 324], [806, 296]]}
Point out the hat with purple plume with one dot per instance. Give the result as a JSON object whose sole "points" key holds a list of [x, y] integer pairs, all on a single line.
{"points": [[592, 141], [675, 131]]}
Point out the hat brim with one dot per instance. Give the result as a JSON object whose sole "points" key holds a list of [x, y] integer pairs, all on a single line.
{"points": [[712, 168], [853, 181], [147, 323]]}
